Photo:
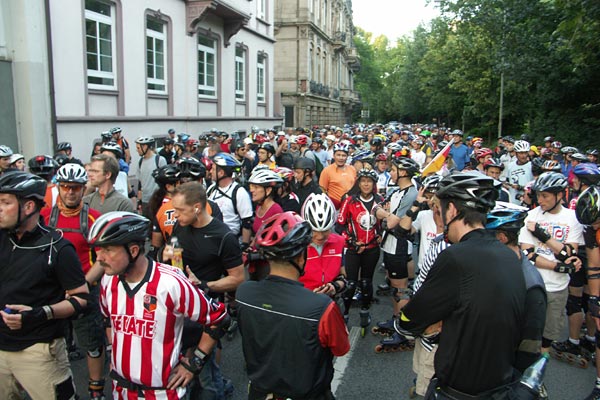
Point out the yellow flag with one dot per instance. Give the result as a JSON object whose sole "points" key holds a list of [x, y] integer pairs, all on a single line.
{"points": [[438, 161]]}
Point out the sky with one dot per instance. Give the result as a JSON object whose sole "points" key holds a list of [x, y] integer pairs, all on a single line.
{"points": [[392, 18]]}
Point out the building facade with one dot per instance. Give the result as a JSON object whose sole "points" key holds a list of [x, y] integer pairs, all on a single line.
{"points": [[316, 60], [80, 67]]}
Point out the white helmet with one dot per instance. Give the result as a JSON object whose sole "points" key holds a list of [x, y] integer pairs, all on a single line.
{"points": [[265, 177], [521, 146], [73, 173], [5, 151], [318, 210]]}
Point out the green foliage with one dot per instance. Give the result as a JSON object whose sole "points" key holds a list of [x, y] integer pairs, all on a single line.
{"points": [[449, 71]]}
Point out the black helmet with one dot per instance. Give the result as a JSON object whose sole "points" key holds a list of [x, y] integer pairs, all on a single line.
{"points": [[106, 136], [506, 220], [592, 152], [63, 146], [166, 174], [61, 159], [376, 141], [305, 163], [23, 184], [190, 167], [407, 164], [472, 189], [118, 228], [42, 165], [587, 208], [552, 182], [268, 147], [168, 141], [283, 236], [536, 166], [367, 173]]}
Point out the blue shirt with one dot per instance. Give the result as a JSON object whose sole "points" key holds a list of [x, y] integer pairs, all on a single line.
{"points": [[460, 156]]}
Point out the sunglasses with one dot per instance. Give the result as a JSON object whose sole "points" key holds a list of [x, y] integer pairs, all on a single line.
{"points": [[73, 188]]}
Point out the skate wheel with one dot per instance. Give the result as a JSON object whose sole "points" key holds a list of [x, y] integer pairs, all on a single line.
{"points": [[379, 349], [363, 331], [374, 331], [582, 363]]}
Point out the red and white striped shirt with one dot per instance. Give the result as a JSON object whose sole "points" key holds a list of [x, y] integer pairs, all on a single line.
{"points": [[147, 324]]}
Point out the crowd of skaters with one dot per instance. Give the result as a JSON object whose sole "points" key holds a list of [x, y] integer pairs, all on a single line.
{"points": [[351, 194]]}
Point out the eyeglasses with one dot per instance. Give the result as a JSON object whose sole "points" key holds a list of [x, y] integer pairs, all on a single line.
{"points": [[73, 188]]}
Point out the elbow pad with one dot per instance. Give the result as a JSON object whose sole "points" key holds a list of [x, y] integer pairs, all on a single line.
{"points": [[247, 223], [218, 330]]}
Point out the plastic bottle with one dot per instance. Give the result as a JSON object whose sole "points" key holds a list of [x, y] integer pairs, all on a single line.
{"points": [[533, 377], [177, 259]]}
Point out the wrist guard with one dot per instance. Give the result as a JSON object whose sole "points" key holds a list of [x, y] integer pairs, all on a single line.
{"points": [[412, 214], [202, 285], [196, 362], [244, 246], [594, 306], [335, 283], [540, 234], [36, 316], [564, 268], [595, 275]]}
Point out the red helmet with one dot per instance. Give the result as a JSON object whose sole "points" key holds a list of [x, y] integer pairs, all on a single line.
{"points": [[285, 173], [260, 138], [283, 236], [482, 153], [380, 157], [302, 140], [191, 142], [208, 163]]}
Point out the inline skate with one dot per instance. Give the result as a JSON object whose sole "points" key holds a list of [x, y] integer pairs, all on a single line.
{"points": [[395, 342], [568, 352]]}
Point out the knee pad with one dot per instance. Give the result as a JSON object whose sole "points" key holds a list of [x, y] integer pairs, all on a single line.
{"points": [[584, 302], [400, 294], [574, 304], [349, 292], [95, 353], [366, 289]]}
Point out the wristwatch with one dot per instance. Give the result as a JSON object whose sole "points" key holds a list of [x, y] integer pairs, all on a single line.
{"points": [[198, 360]]}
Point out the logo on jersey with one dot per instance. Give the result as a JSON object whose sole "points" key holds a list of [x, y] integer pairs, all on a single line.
{"points": [[170, 218], [149, 303], [129, 325], [366, 220]]}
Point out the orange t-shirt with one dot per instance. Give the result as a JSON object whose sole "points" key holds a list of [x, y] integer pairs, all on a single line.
{"points": [[337, 181], [165, 219]]}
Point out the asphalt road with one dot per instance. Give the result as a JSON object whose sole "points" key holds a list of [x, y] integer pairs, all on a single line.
{"points": [[363, 374]]}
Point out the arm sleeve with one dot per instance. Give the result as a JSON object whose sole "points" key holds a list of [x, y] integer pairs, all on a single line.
{"points": [[244, 204], [68, 268], [437, 297], [333, 332]]}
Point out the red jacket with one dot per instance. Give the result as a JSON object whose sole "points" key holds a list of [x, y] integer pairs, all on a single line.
{"points": [[324, 268], [360, 225]]}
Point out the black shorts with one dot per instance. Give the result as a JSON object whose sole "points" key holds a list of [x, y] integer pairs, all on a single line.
{"points": [[396, 265]]}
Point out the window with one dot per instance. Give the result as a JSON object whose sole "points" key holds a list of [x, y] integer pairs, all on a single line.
{"points": [[260, 79], [155, 56], [240, 72], [261, 11], [207, 67], [100, 44]]}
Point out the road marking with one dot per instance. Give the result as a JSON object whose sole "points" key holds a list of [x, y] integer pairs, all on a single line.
{"points": [[341, 363]]}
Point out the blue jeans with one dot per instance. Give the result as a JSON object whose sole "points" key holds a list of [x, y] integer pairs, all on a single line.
{"points": [[210, 384]]}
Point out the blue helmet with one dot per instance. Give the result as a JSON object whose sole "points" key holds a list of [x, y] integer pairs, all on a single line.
{"points": [[225, 160], [506, 219]]}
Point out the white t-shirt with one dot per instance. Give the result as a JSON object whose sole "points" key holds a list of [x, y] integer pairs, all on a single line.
{"points": [[518, 175], [419, 156], [564, 227], [428, 231], [223, 197]]}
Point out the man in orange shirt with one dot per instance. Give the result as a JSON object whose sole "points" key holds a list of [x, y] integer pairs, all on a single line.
{"points": [[339, 177]]}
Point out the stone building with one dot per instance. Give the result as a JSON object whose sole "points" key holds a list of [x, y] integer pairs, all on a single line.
{"points": [[315, 61], [71, 69]]}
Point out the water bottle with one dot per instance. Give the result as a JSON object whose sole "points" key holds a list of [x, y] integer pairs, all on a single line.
{"points": [[533, 377], [177, 259]]}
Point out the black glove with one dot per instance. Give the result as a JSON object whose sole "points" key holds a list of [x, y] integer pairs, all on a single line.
{"points": [[564, 268], [36, 316], [541, 234]]}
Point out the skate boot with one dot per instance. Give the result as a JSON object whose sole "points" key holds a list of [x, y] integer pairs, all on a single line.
{"points": [[365, 321], [595, 395], [588, 348], [568, 352], [393, 343], [384, 289], [384, 328]]}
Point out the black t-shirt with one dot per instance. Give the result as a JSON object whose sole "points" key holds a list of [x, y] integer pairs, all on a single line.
{"points": [[26, 277], [477, 288], [210, 250]]}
